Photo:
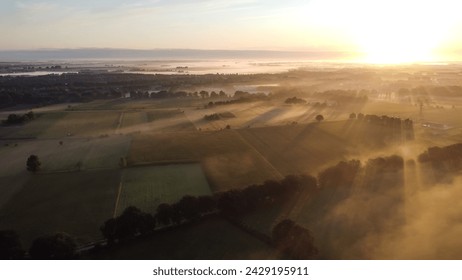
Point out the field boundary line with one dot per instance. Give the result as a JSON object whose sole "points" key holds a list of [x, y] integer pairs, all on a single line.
{"points": [[277, 172], [119, 191], [120, 122], [163, 162]]}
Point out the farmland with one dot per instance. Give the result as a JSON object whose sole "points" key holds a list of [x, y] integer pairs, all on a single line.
{"points": [[76, 202], [72, 154], [148, 186], [83, 124], [35, 128], [103, 155], [210, 239], [228, 161]]}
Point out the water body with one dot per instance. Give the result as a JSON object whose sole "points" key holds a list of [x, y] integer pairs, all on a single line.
{"points": [[35, 73]]}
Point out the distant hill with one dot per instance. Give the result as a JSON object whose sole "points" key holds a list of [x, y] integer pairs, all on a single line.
{"points": [[164, 54]]}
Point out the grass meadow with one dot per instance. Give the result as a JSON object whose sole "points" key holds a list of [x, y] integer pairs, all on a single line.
{"points": [[73, 202], [148, 186]]}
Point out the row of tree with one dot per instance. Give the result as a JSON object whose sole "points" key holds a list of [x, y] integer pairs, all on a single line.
{"points": [[387, 128], [139, 94], [233, 203], [435, 154], [445, 162], [82, 87], [295, 100], [426, 92], [294, 241], [341, 97], [59, 246], [14, 119], [243, 97]]}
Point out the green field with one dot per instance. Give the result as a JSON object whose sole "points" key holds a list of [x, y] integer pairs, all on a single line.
{"points": [[139, 104], [295, 149], [84, 124], [168, 121], [76, 203], [100, 104], [106, 152], [132, 120], [154, 121], [32, 128], [228, 160], [11, 185], [73, 154], [211, 239], [148, 186]]}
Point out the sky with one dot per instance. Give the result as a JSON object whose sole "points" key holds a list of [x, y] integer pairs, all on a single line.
{"points": [[391, 30]]}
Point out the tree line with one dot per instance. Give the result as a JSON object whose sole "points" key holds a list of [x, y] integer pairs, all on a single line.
{"points": [[85, 87], [445, 162], [239, 97], [14, 119], [385, 127], [234, 203], [59, 246]]}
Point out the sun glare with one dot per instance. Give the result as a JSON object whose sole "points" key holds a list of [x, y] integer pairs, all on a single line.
{"points": [[402, 32], [388, 32]]}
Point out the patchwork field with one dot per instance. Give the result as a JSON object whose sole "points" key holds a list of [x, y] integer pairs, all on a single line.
{"points": [[228, 160], [148, 186], [76, 203], [155, 121], [130, 120], [260, 114], [73, 154], [11, 185], [34, 128], [81, 184], [84, 124], [300, 148], [137, 104]]}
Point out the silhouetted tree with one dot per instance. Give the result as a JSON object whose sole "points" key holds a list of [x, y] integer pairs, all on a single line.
{"points": [[352, 116], [132, 222], [206, 203], [293, 240], [232, 203], [212, 117], [293, 183], [108, 229], [10, 246], [295, 100], [342, 174], [189, 207], [319, 118], [164, 213], [18, 119], [272, 189], [60, 246], [177, 216], [33, 163], [30, 115]]}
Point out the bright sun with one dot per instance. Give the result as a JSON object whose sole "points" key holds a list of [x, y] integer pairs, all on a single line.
{"points": [[401, 31], [394, 36], [392, 31]]}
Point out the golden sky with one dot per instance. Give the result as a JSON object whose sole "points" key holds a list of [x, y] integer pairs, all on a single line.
{"points": [[391, 31]]}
